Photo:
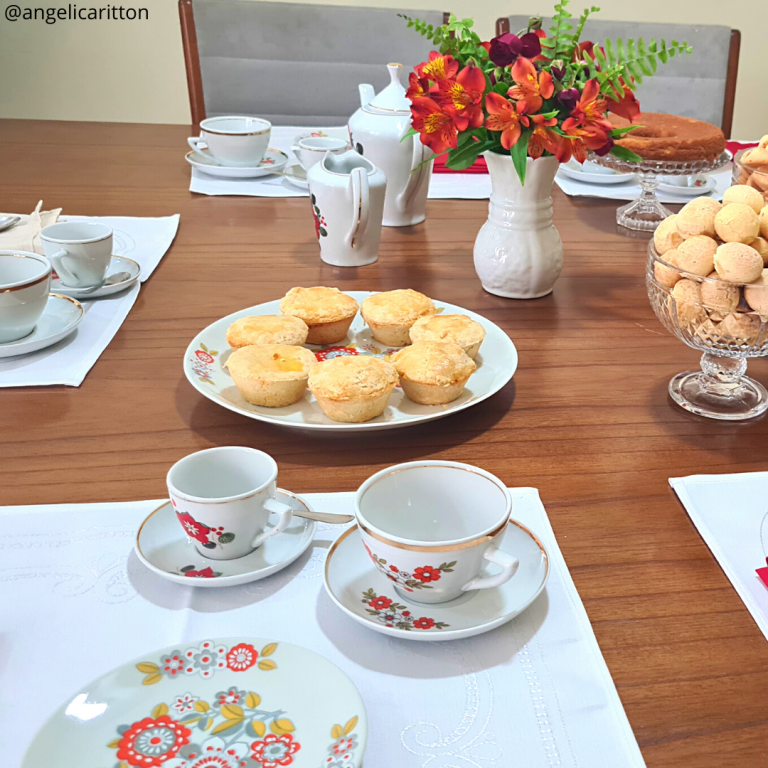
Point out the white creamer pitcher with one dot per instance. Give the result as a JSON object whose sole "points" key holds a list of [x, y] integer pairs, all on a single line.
{"points": [[347, 195], [376, 131]]}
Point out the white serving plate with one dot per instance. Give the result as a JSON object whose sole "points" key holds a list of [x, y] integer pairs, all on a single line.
{"points": [[220, 699], [205, 358], [594, 174]]}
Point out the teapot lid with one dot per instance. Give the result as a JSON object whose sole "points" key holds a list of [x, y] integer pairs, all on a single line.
{"points": [[392, 98]]}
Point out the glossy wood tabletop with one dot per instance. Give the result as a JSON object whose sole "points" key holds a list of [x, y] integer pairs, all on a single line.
{"points": [[586, 419]]}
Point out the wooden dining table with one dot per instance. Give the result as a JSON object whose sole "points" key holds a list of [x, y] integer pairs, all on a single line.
{"points": [[586, 419]]}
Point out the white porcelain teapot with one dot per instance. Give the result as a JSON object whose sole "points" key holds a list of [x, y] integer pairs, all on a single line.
{"points": [[376, 130]]}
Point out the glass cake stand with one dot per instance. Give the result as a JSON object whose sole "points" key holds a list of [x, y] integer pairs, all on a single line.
{"points": [[646, 212]]}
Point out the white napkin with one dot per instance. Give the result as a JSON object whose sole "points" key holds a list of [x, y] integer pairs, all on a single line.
{"points": [[731, 514], [535, 692], [25, 234]]}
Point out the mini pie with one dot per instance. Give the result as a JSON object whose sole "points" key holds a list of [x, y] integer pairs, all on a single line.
{"points": [[391, 314], [433, 372], [267, 329], [459, 329], [353, 388], [272, 375], [327, 312]]}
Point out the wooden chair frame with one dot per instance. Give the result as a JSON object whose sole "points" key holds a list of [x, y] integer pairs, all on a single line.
{"points": [[192, 60], [502, 27]]}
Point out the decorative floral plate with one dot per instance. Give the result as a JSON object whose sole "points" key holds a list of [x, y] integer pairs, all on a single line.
{"points": [[217, 703], [163, 548], [203, 160], [361, 584], [205, 358]]}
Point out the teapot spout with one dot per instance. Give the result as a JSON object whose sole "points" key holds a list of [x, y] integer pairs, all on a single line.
{"points": [[366, 94]]}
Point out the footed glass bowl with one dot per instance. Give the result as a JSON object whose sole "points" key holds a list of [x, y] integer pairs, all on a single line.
{"points": [[720, 390], [647, 212]]}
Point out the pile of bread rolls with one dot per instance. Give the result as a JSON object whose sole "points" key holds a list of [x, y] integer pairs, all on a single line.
{"points": [[721, 251]]}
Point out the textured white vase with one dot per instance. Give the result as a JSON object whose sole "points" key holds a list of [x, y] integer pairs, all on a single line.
{"points": [[518, 251]]}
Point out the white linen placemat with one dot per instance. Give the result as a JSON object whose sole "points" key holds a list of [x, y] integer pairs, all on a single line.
{"points": [[731, 514], [69, 360], [534, 693]]}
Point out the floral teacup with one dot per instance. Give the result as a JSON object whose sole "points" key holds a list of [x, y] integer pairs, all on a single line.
{"points": [[223, 498], [431, 526]]}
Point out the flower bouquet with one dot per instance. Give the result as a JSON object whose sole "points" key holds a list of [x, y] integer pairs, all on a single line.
{"points": [[528, 95]]}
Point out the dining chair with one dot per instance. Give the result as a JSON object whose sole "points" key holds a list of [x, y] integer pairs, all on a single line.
{"points": [[701, 84], [291, 63]]}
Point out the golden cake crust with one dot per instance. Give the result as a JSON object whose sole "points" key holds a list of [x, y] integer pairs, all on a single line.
{"points": [[267, 329], [459, 329], [400, 307], [669, 137], [271, 362], [318, 305], [352, 377], [439, 363]]}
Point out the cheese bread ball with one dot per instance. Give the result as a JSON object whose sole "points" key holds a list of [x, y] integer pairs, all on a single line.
{"points": [[665, 275], [666, 237], [741, 193], [737, 223], [697, 255], [687, 296], [718, 295], [738, 263], [697, 218], [756, 294]]}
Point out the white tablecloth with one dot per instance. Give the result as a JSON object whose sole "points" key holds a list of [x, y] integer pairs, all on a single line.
{"points": [[731, 514], [145, 240], [535, 693]]}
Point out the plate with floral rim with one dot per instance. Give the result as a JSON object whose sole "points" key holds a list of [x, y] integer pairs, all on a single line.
{"points": [[207, 354], [163, 548], [273, 161], [361, 585], [211, 703]]}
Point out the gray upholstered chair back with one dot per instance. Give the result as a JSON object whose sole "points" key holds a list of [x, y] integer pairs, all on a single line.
{"points": [[295, 63], [692, 85]]}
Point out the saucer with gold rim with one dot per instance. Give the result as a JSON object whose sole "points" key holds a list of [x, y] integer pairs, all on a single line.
{"points": [[162, 546], [62, 314], [361, 590]]}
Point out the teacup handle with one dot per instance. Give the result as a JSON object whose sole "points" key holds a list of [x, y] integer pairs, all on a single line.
{"points": [[69, 278], [286, 515], [195, 142], [508, 564], [358, 184]]}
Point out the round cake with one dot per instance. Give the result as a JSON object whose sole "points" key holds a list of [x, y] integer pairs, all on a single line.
{"points": [[669, 137]]}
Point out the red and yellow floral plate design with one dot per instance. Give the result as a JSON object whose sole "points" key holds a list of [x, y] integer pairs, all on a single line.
{"points": [[212, 703], [205, 358]]}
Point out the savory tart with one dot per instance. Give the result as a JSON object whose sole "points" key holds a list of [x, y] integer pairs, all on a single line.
{"points": [[327, 312]]}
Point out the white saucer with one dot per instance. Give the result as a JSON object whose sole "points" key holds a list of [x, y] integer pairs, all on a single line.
{"points": [[118, 264], [162, 546], [678, 185], [297, 176], [352, 581], [60, 317], [203, 160], [594, 174]]}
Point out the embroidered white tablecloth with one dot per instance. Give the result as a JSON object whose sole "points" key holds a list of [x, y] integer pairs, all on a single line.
{"points": [[76, 602]]}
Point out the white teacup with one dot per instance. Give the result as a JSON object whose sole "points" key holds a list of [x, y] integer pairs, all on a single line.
{"points": [[235, 141], [25, 281], [79, 251], [431, 526], [223, 498], [312, 150]]}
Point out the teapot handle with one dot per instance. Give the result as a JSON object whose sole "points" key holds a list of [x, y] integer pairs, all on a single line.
{"points": [[360, 193], [419, 168]]}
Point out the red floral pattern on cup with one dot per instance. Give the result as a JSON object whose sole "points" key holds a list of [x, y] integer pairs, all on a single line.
{"points": [[192, 528], [419, 579]]}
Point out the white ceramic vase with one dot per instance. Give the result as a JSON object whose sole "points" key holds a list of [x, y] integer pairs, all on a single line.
{"points": [[518, 251]]}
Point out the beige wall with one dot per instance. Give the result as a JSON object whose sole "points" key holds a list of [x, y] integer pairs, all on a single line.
{"points": [[133, 71]]}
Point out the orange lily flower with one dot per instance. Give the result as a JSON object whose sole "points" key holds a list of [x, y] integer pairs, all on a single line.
{"points": [[627, 106], [435, 123], [465, 95], [417, 87], [503, 117], [579, 150], [530, 90], [589, 112], [542, 140], [439, 67]]}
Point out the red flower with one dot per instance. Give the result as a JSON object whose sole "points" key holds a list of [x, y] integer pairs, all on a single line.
{"points": [[241, 657], [436, 124], [424, 623], [331, 352], [427, 574], [380, 603], [439, 67], [465, 95], [627, 106], [530, 89], [204, 356], [503, 117], [394, 568], [417, 87], [193, 528], [274, 751], [505, 49], [206, 573], [542, 140], [151, 742]]}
